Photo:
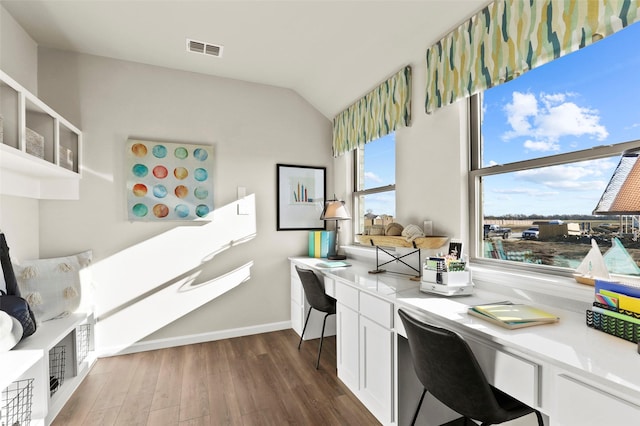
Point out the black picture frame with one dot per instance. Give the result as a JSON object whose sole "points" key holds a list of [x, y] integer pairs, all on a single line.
{"points": [[301, 193]]}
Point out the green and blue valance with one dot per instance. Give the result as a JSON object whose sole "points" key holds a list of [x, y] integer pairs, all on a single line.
{"points": [[510, 37], [377, 114]]}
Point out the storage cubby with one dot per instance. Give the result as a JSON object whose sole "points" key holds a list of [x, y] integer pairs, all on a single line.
{"points": [[83, 342], [9, 116], [57, 367], [17, 401]]}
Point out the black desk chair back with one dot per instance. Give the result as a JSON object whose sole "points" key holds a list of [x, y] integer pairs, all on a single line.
{"points": [[318, 299], [446, 367]]}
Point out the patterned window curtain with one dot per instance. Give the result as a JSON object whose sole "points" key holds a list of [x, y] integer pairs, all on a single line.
{"points": [[378, 113], [509, 37]]}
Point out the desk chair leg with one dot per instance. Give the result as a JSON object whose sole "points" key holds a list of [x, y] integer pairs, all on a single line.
{"points": [[415, 416], [539, 416], [304, 328], [321, 339]]}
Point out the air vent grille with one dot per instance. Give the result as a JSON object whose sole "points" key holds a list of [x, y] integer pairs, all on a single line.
{"points": [[204, 48]]}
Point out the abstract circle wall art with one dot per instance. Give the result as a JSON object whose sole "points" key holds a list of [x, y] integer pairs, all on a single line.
{"points": [[168, 181]]}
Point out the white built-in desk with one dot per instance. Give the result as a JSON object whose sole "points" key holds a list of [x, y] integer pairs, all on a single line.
{"points": [[573, 374]]}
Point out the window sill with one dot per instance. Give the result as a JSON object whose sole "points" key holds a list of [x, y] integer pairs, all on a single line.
{"points": [[549, 289]]}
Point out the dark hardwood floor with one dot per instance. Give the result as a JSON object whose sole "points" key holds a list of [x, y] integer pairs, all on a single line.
{"points": [[253, 380]]}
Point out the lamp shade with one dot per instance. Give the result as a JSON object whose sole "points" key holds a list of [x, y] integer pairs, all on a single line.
{"points": [[622, 195], [335, 210]]}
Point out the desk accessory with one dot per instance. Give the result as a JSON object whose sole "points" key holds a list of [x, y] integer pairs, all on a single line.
{"points": [[616, 310], [446, 277]]}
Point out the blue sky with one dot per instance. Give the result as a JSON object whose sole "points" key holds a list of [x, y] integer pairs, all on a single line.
{"points": [[380, 170], [585, 99]]}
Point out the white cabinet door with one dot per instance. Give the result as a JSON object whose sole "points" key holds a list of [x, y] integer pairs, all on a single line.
{"points": [[376, 369], [347, 346], [582, 404]]}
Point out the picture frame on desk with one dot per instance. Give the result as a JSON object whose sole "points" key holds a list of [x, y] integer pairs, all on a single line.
{"points": [[301, 193]]}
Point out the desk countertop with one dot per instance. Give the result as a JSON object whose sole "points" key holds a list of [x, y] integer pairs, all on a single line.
{"points": [[568, 344]]}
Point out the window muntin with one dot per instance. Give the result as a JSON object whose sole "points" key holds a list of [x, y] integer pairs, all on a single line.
{"points": [[374, 198], [546, 145]]}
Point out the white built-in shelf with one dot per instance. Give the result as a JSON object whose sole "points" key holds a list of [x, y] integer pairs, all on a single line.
{"points": [[30, 359], [52, 169]]}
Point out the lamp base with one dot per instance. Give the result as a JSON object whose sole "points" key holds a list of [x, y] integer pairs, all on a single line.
{"points": [[337, 257]]}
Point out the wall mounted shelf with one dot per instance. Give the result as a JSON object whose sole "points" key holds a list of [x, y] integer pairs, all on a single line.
{"points": [[40, 151]]}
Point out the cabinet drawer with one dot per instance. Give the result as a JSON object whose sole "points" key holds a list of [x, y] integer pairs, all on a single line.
{"points": [[347, 295], [376, 309], [330, 287], [509, 373], [582, 404]]}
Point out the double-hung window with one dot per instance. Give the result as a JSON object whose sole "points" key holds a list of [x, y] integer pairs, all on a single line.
{"points": [[544, 147], [374, 197]]}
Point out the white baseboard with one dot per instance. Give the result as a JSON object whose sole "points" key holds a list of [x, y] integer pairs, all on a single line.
{"points": [[194, 338]]}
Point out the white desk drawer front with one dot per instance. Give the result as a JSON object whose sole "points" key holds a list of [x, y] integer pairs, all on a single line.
{"points": [[511, 374], [582, 404], [377, 310], [330, 287], [347, 295], [296, 290]]}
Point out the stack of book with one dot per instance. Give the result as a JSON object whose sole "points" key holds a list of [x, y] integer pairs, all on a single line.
{"points": [[616, 310], [321, 243], [512, 315]]}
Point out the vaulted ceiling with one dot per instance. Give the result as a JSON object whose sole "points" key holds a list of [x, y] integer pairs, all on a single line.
{"points": [[330, 52]]}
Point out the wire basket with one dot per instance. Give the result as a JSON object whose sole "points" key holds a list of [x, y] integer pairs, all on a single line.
{"points": [[17, 399], [56, 368], [83, 342]]}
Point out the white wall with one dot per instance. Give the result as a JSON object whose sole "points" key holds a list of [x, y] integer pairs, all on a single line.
{"points": [[18, 53], [19, 217], [251, 128]]}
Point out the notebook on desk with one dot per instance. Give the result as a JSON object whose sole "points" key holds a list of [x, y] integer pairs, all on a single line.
{"points": [[512, 316]]}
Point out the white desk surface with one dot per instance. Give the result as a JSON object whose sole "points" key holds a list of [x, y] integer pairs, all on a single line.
{"points": [[568, 344]]}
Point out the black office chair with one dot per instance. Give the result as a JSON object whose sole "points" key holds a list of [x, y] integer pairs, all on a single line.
{"points": [[447, 368], [318, 299]]}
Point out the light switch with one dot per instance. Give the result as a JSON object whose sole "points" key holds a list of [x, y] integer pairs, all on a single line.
{"points": [[242, 203]]}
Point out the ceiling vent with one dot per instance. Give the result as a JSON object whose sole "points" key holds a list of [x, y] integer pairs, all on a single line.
{"points": [[204, 48]]}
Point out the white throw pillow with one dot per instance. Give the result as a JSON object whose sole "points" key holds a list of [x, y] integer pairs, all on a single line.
{"points": [[52, 286]]}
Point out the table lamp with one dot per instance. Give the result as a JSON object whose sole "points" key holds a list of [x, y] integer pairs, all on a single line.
{"points": [[335, 210]]}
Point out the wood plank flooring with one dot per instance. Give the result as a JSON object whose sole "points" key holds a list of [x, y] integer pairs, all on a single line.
{"points": [[253, 380]]}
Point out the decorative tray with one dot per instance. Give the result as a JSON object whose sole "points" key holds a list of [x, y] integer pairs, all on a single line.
{"points": [[431, 242]]}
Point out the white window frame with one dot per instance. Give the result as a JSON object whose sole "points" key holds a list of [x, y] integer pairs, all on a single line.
{"points": [[477, 172], [358, 162]]}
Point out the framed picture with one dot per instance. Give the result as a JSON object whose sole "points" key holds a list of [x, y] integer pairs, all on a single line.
{"points": [[301, 196], [168, 181]]}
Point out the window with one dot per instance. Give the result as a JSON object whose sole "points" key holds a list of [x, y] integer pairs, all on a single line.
{"points": [[374, 198], [544, 147]]}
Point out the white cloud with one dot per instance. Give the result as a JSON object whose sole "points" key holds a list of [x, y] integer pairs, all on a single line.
{"points": [[372, 176], [543, 146], [519, 111], [585, 176], [548, 118], [568, 119]]}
